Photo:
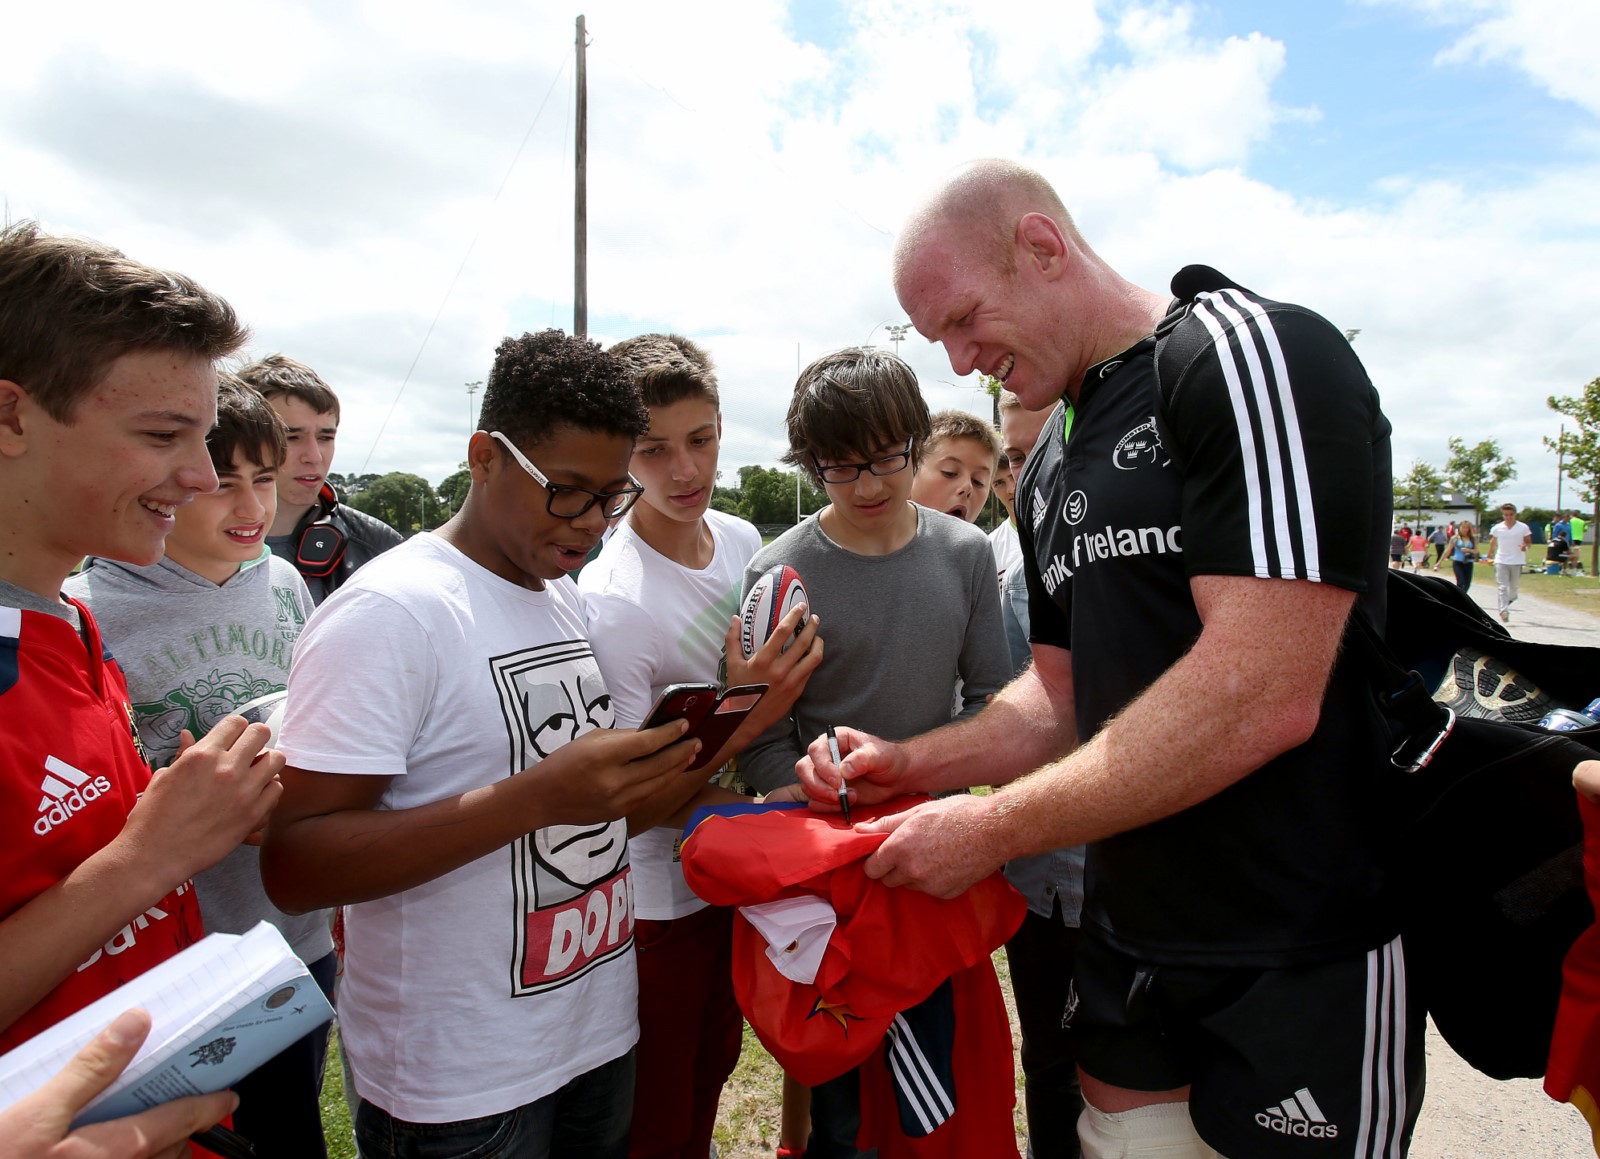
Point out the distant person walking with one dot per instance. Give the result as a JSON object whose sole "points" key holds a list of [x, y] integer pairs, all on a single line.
{"points": [[1419, 550], [1397, 547], [1511, 538], [1439, 540], [1463, 551]]}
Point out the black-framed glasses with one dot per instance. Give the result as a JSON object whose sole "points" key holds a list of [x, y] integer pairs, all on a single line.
{"points": [[850, 472], [565, 501]]}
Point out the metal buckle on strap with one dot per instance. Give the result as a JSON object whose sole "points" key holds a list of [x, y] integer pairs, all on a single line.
{"points": [[1425, 756]]}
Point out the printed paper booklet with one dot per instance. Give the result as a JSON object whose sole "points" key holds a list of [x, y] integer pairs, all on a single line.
{"points": [[218, 1009]]}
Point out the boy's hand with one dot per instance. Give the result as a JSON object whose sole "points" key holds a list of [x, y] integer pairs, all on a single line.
{"points": [[40, 1126], [1586, 779], [874, 770], [783, 670], [218, 791], [609, 772]]}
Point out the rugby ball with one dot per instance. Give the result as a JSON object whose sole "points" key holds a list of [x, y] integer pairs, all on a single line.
{"points": [[267, 710], [771, 597]]}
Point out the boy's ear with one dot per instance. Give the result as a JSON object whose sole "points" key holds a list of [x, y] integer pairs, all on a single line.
{"points": [[481, 452], [14, 418]]}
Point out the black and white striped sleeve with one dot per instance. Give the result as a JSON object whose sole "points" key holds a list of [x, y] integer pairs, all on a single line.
{"points": [[1278, 432]]}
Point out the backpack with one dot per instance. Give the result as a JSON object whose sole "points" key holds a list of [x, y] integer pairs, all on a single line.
{"points": [[1489, 864], [1490, 868]]}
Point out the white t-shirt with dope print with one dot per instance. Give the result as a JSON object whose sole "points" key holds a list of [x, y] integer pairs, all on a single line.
{"points": [[498, 982]]}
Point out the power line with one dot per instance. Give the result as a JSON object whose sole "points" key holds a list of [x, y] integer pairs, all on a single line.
{"points": [[482, 222]]}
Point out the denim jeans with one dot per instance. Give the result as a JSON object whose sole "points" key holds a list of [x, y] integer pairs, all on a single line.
{"points": [[586, 1119]]}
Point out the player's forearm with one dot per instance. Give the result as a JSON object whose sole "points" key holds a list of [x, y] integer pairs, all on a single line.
{"points": [[1026, 726], [44, 941], [1208, 722]]}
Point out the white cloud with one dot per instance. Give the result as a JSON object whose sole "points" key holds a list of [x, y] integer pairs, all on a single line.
{"points": [[326, 167], [1553, 41]]}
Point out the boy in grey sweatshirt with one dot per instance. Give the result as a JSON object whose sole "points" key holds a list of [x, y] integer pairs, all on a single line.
{"points": [[208, 628], [907, 594]]}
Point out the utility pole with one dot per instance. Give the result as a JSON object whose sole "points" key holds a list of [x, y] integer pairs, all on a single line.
{"points": [[580, 216], [1561, 449], [897, 335], [472, 389]]}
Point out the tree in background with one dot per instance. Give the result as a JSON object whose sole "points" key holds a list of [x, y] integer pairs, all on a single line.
{"points": [[767, 496], [1581, 451], [1477, 472], [348, 485], [453, 491], [404, 501], [1419, 490]]}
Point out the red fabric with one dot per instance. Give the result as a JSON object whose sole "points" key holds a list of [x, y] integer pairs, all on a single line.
{"points": [[1573, 1075], [690, 1032], [890, 950], [67, 705], [986, 1088]]}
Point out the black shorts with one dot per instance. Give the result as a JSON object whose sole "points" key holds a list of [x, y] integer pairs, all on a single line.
{"points": [[1330, 1056]]}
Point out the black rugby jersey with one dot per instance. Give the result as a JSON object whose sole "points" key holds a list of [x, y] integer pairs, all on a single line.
{"points": [[1268, 456]]}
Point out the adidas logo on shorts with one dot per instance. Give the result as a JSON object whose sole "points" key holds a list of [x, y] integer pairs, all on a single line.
{"points": [[1299, 1116]]}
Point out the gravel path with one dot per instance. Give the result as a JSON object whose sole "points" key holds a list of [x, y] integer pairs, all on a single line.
{"points": [[1468, 1116]]}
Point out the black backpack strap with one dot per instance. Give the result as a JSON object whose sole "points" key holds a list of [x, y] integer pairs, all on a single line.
{"points": [[1418, 724]]}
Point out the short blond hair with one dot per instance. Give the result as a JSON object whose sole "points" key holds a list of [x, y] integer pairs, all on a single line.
{"points": [[960, 424]]}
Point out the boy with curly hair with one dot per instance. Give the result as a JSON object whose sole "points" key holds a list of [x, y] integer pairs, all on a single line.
{"points": [[455, 782]]}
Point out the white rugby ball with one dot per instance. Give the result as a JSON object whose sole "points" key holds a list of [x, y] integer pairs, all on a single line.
{"points": [[772, 596], [267, 710]]}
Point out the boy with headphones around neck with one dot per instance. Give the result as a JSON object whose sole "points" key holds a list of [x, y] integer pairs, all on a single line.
{"points": [[324, 538]]}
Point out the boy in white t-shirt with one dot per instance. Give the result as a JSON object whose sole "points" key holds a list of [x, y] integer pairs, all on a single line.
{"points": [[1511, 538], [456, 783], [660, 599]]}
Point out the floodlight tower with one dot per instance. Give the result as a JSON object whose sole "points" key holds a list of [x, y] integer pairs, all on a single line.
{"points": [[897, 335]]}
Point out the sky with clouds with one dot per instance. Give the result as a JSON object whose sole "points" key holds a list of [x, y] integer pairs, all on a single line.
{"points": [[384, 189]]}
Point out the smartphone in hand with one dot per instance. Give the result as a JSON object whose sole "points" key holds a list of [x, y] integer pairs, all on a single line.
{"points": [[712, 717]]}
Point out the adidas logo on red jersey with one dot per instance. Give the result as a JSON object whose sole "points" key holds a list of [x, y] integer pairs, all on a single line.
{"points": [[67, 791]]}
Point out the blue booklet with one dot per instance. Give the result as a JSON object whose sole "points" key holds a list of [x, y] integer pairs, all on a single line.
{"points": [[218, 1009]]}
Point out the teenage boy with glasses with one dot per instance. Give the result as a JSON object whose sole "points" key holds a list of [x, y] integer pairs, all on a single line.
{"points": [[456, 783], [907, 595]]}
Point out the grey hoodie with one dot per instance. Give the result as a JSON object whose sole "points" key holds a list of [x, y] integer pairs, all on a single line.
{"points": [[192, 652]]}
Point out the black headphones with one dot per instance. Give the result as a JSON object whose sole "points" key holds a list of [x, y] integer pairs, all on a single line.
{"points": [[320, 549], [321, 545]]}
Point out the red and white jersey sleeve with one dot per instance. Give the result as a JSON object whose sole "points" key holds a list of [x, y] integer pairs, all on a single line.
{"points": [[71, 770]]}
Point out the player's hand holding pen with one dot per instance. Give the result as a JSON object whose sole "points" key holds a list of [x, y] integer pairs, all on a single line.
{"points": [[845, 764]]}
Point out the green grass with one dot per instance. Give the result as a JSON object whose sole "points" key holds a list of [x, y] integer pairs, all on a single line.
{"points": [[1580, 593], [747, 1120], [335, 1114]]}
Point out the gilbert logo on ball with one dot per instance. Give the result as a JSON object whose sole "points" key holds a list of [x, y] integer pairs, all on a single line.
{"points": [[771, 597]]}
